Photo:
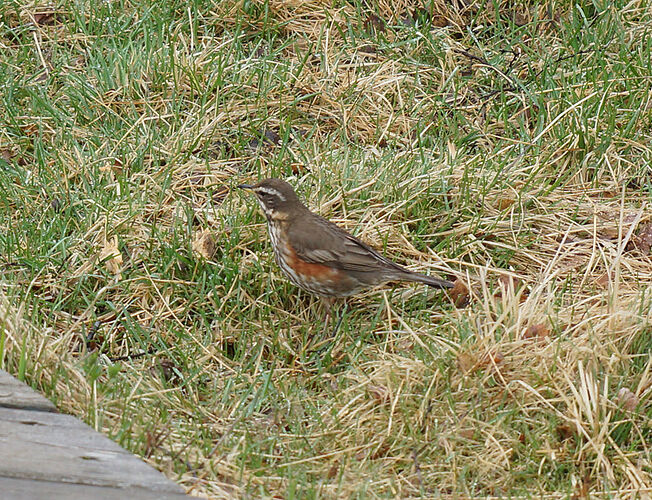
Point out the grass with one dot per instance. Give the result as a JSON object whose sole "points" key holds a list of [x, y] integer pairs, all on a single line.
{"points": [[508, 147]]}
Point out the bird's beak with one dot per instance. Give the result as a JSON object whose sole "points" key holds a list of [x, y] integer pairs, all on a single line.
{"points": [[245, 186]]}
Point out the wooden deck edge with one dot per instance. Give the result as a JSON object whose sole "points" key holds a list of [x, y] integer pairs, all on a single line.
{"points": [[46, 454]]}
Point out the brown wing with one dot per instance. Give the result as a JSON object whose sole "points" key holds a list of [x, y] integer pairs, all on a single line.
{"points": [[318, 240]]}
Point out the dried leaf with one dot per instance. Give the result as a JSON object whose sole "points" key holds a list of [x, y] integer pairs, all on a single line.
{"points": [[565, 431], [6, 155], [298, 168], [115, 166], [603, 280], [439, 21], [45, 18], [333, 470], [368, 49], [466, 362], [609, 233], [538, 331], [466, 433], [204, 245], [506, 281], [504, 203], [374, 24], [509, 285], [610, 193], [583, 488], [643, 240], [111, 256], [627, 399], [459, 294], [520, 18], [494, 358]]}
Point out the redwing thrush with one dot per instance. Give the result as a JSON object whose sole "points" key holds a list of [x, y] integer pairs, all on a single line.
{"points": [[319, 256]]}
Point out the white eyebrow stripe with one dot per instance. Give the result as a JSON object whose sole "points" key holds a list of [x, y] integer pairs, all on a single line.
{"points": [[271, 191]]}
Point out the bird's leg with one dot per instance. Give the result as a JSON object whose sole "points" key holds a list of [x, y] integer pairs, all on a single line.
{"points": [[328, 306], [339, 322], [327, 303]]}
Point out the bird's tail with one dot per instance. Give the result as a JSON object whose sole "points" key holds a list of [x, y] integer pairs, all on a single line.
{"points": [[428, 280]]}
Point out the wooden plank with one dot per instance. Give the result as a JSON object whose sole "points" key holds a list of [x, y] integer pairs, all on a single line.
{"points": [[26, 489], [15, 394], [54, 447]]}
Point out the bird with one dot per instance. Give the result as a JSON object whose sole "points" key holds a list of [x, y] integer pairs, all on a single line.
{"points": [[319, 256]]}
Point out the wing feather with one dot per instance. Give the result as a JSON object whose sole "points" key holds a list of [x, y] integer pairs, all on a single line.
{"points": [[318, 240]]}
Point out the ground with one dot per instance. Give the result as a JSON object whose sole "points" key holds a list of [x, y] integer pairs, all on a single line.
{"points": [[508, 148]]}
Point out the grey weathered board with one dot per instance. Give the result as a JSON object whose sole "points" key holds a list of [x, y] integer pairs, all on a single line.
{"points": [[44, 454], [15, 394]]}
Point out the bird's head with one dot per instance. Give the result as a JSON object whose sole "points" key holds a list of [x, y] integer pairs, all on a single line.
{"points": [[275, 197]]}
